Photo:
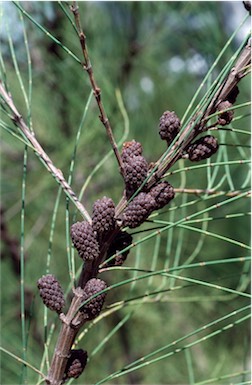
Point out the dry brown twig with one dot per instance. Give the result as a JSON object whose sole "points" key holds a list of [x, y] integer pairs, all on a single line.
{"points": [[18, 120], [96, 90]]}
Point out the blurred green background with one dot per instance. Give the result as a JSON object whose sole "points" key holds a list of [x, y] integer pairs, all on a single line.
{"points": [[153, 56]]}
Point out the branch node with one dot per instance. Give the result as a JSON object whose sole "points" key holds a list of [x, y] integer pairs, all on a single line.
{"points": [[61, 355], [74, 8], [97, 93], [82, 38], [64, 318]]}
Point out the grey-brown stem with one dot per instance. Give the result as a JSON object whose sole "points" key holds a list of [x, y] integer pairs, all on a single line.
{"points": [[240, 70], [72, 322], [57, 173], [96, 90]]}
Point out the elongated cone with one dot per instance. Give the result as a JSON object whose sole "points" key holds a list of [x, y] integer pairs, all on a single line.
{"points": [[93, 307], [138, 210], [203, 148], [51, 292], [84, 240]]}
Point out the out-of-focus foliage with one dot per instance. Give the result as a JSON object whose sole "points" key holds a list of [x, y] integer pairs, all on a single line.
{"points": [[156, 54]]}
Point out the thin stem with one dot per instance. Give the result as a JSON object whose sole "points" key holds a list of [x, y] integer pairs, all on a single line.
{"points": [[141, 362], [50, 36], [18, 359], [198, 191], [57, 173], [96, 90], [71, 324], [22, 268]]}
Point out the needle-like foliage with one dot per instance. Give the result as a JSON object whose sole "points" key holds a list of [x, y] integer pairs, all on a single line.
{"points": [[138, 114]]}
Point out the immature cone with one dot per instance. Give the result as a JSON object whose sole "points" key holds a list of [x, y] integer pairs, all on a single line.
{"points": [[51, 292], [163, 193], [135, 172], [202, 148], [93, 307], [84, 240], [76, 363], [226, 116], [231, 97], [103, 218], [131, 149], [138, 210], [121, 241], [169, 125]]}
